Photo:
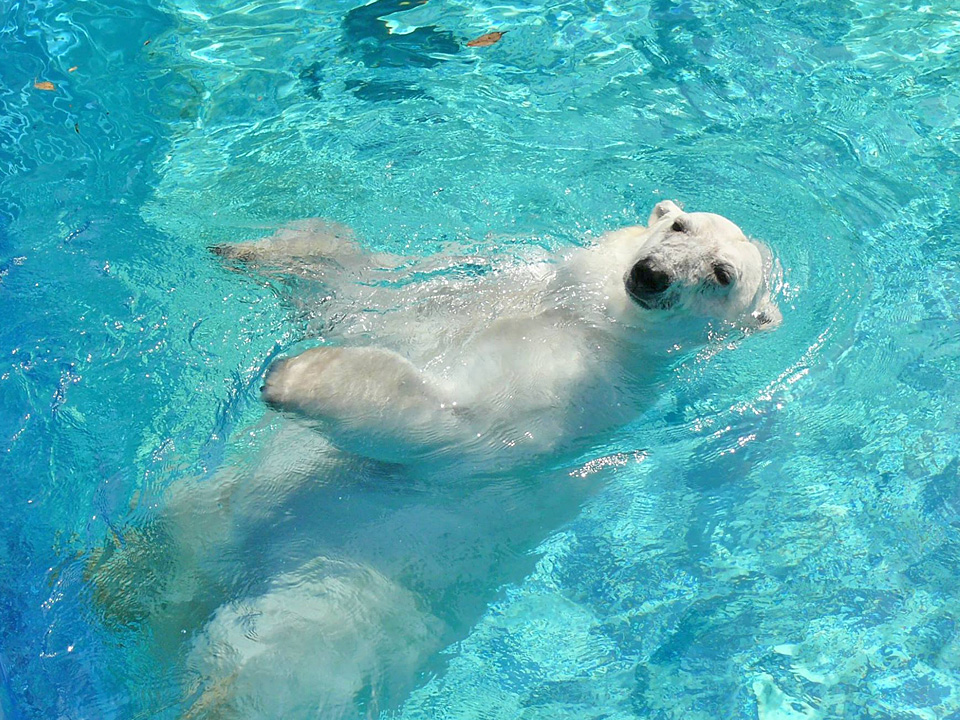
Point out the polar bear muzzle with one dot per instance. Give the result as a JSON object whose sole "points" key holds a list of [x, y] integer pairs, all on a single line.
{"points": [[648, 284]]}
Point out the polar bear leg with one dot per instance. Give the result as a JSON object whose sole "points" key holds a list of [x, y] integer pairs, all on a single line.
{"points": [[169, 572], [333, 640], [369, 400], [302, 240]]}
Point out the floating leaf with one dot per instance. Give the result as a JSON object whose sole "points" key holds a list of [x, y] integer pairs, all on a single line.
{"points": [[486, 40], [44, 85], [73, 69], [76, 126], [147, 42]]}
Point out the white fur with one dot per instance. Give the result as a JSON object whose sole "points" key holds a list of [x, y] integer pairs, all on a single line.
{"points": [[294, 593], [544, 372]]}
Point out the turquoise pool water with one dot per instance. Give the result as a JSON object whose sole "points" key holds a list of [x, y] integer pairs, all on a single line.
{"points": [[777, 538]]}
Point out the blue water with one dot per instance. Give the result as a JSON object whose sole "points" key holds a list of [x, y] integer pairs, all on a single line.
{"points": [[777, 538]]}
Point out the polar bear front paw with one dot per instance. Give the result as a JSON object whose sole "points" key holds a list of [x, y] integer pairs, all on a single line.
{"points": [[367, 400]]}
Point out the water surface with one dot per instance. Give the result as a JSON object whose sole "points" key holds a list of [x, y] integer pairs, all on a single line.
{"points": [[776, 539]]}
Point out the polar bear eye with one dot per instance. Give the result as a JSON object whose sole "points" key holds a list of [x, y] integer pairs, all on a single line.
{"points": [[678, 226], [723, 274]]}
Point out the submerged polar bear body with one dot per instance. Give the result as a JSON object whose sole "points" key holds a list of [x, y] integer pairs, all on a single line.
{"points": [[319, 577], [574, 354]]}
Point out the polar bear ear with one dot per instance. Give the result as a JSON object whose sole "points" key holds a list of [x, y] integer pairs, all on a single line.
{"points": [[664, 207], [766, 315]]}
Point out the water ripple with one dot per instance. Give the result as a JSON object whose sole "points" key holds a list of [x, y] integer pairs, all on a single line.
{"points": [[777, 537]]}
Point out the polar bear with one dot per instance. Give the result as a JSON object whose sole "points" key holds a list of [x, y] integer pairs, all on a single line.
{"points": [[546, 366], [421, 454]]}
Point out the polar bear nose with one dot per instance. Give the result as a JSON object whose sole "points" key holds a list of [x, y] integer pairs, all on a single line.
{"points": [[646, 279]]}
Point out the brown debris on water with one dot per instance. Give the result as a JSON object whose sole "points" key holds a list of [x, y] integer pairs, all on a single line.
{"points": [[487, 40]]}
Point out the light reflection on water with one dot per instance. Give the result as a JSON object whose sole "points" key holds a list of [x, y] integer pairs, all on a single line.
{"points": [[781, 540]]}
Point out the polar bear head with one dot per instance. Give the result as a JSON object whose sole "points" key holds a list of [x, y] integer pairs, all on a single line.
{"points": [[703, 264]]}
